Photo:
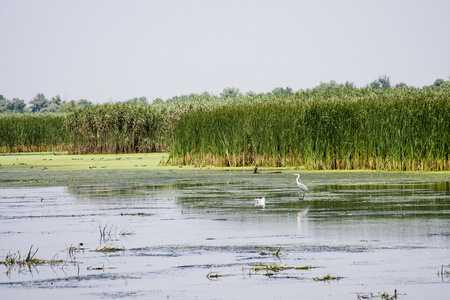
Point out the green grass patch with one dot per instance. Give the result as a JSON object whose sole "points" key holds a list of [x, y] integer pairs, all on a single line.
{"points": [[62, 160]]}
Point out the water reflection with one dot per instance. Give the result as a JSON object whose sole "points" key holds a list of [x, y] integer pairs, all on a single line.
{"points": [[302, 221], [375, 200]]}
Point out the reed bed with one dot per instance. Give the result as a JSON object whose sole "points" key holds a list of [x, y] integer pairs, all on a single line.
{"points": [[33, 133], [118, 128], [393, 129], [400, 129]]}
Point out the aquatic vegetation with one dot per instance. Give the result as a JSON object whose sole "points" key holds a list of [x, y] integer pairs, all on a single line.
{"points": [[99, 268], [118, 128], [277, 267], [444, 272], [215, 275], [327, 277], [107, 249], [71, 250], [125, 230], [137, 214], [29, 259], [34, 132], [107, 233], [274, 268], [395, 129], [403, 129], [14, 260], [384, 296]]}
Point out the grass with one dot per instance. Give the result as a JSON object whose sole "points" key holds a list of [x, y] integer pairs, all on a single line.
{"points": [[46, 161]]}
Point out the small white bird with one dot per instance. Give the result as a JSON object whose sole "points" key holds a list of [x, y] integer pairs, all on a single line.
{"points": [[302, 186], [260, 201]]}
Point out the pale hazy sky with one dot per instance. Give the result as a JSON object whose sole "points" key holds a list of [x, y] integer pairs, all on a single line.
{"points": [[110, 50]]}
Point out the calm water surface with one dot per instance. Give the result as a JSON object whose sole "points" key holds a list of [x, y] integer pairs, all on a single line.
{"points": [[198, 235]]}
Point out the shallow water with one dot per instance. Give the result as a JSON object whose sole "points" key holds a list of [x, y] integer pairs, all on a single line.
{"points": [[377, 232]]}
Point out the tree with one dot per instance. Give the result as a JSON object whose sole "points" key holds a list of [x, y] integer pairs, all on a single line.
{"points": [[39, 102], [332, 85], [16, 105], [138, 101], [54, 105], [401, 85], [157, 101], [280, 90], [3, 104], [445, 85], [56, 100], [350, 85], [229, 92], [19, 105], [375, 84], [438, 82], [182, 97], [67, 106], [383, 82], [83, 103]]}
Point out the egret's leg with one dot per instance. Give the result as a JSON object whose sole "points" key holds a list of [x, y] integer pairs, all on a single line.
{"points": [[303, 196]]}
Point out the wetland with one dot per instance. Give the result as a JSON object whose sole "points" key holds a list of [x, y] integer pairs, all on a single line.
{"points": [[121, 226]]}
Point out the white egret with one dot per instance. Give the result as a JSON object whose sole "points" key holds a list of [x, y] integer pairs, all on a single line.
{"points": [[260, 201], [302, 186]]}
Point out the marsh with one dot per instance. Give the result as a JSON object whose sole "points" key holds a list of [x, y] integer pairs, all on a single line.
{"points": [[183, 233]]}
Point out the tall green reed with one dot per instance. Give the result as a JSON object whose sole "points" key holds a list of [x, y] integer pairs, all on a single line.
{"points": [[118, 128], [402, 129], [33, 132]]}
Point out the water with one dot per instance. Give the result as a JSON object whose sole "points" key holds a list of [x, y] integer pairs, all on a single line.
{"points": [[184, 234]]}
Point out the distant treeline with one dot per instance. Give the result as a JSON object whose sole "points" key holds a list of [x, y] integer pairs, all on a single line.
{"points": [[41, 104], [385, 129]]}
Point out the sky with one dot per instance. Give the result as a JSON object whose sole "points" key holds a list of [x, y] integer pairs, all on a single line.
{"points": [[111, 50]]}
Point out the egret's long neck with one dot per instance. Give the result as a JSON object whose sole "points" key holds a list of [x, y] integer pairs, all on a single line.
{"points": [[298, 176]]}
